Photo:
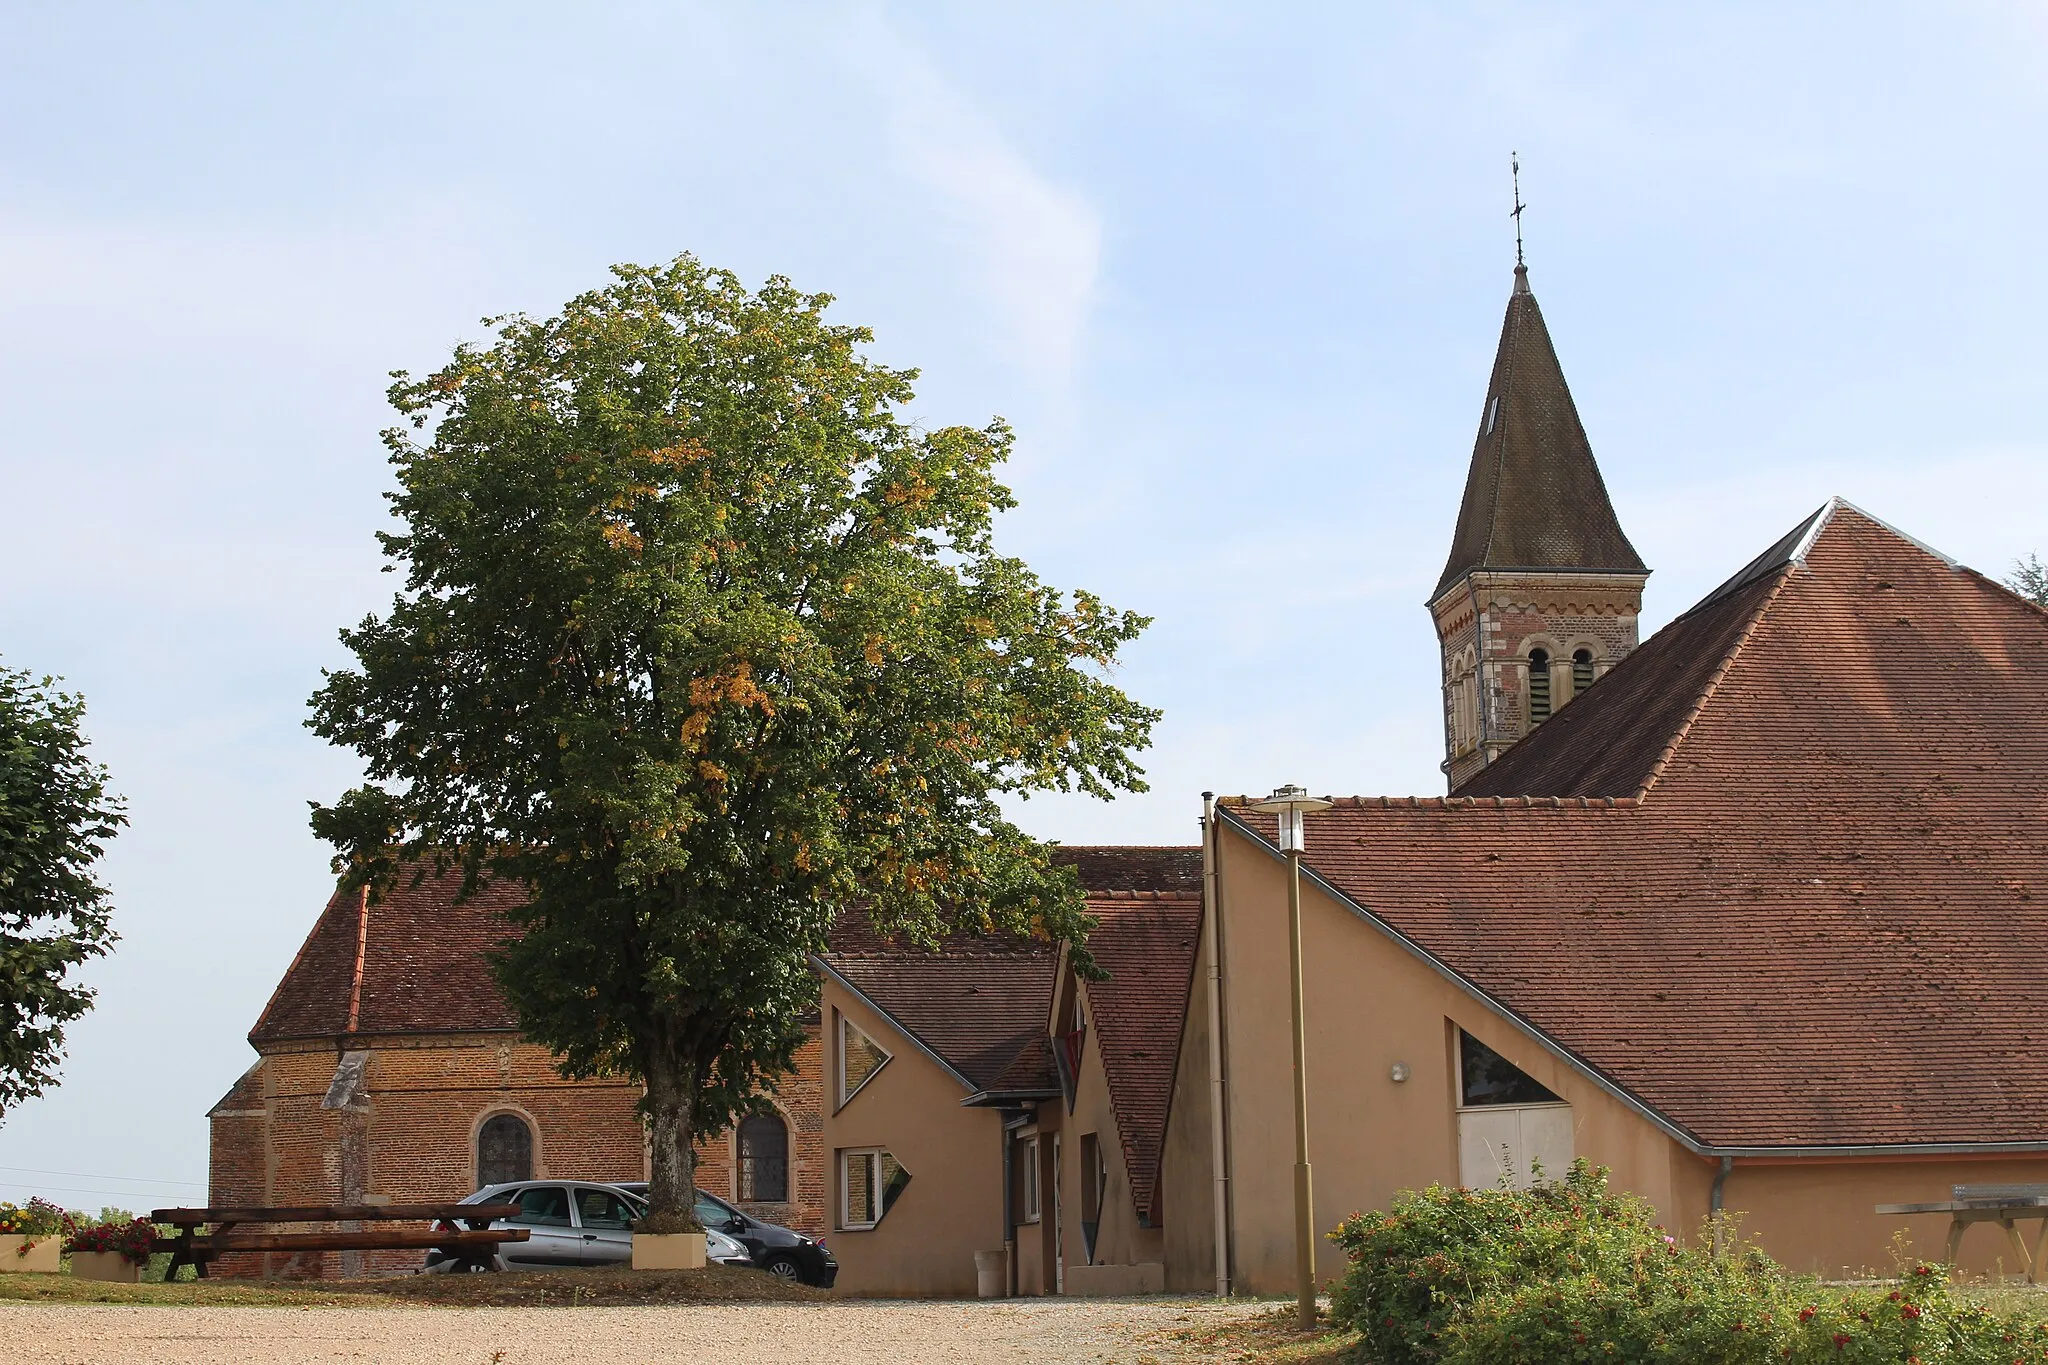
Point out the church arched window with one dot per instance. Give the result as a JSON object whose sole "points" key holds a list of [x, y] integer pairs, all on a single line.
{"points": [[504, 1150], [764, 1159], [1539, 686], [1582, 671]]}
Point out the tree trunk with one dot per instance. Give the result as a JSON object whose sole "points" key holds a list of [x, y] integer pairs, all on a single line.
{"points": [[672, 1154]]}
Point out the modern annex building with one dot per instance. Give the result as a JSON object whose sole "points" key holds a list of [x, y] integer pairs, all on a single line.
{"points": [[1744, 911]]}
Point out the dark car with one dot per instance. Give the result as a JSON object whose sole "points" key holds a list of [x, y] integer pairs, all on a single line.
{"points": [[775, 1249]]}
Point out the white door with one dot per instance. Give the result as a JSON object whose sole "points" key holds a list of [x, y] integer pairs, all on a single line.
{"points": [[1511, 1142]]}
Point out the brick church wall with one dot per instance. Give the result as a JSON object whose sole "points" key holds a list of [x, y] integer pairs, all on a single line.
{"points": [[273, 1143]]}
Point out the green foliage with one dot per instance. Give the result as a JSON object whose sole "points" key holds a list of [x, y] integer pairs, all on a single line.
{"points": [[701, 641], [55, 818], [1569, 1272], [2030, 580]]}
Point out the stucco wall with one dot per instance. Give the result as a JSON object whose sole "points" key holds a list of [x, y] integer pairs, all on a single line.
{"points": [[952, 1207], [1186, 1168]]}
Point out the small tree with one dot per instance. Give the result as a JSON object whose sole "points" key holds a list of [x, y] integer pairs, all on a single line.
{"points": [[2030, 580], [701, 642], [55, 818]]}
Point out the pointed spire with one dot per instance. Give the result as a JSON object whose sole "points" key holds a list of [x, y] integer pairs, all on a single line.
{"points": [[1534, 498]]}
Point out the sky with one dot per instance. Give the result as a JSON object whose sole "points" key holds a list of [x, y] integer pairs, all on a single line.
{"points": [[1234, 272]]}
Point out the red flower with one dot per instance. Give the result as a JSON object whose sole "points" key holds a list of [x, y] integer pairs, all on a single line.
{"points": [[1840, 1341], [1909, 1311], [1806, 1315]]}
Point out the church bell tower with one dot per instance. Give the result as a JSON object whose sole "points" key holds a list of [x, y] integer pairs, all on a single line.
{"points": [[1542, 590]]}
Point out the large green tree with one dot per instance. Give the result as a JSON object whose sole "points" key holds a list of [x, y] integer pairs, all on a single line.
{"points": [[55, 818], [703, 641]]}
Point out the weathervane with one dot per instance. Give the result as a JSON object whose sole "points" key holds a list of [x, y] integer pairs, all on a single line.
{"points": [[1515, 170]]}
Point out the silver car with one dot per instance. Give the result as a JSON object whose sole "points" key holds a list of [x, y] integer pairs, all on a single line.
{"points": [[571, 1223]]}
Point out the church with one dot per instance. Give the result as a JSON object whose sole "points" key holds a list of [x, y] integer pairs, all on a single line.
{"points": [[1742, 911]]}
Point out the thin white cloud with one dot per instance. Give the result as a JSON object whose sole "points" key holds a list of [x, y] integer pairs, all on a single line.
{"points": [[1030, 249]]}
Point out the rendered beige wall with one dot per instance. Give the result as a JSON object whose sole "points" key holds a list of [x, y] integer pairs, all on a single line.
{"points": [[953, 1205], [1186, 1172]]}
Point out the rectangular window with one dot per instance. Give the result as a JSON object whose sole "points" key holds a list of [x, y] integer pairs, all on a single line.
{"points": [[1030, 1174], [870, 1179], [860, 1057]]}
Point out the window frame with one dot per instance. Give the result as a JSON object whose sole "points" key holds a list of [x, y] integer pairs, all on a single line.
{"points": [[745, 1175], [876, 1188], [845, 1096], [532, 1131], [1458, 1079], [1030, 1197]]}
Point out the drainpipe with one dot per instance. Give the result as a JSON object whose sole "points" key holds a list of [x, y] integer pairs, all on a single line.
{"points": [[1219, 1091], [1714, 1199], [1009, 1209]]}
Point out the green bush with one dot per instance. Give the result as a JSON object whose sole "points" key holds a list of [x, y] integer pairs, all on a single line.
{"points": [[1571, 1272], [1416, 1268]]}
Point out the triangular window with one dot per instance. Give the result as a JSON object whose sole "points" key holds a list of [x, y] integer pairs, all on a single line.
{"points": [[1489, 1078], [860, 1057]]}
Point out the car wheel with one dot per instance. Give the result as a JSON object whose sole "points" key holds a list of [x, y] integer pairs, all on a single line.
{"points": [[783, 1268]]}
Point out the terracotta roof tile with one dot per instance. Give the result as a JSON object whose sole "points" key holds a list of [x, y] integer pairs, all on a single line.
{"points": [[423, 966], [1147, 945], [1826, 923]]}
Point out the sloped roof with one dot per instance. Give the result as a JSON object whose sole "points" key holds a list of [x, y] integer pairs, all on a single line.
{"points": [[1611, 740], [1534, 498], [1146, 942], [980, 1005], [1818, 925], [413, 962]]}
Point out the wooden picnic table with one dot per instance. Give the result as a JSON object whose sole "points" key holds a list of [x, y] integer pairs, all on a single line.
{"points": [[472, 1243], [2000, 1204]]}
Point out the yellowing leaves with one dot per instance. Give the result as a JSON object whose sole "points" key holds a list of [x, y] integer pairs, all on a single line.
{"points": [[621, 537], [871, 650]]}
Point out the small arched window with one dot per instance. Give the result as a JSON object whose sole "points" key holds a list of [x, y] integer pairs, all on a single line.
{"points": [[1539, 686], [504, 1150], [764, 1160], [1582, 671]]}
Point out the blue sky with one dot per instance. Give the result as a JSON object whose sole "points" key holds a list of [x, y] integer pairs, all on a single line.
{"points": [[1234, 272]]}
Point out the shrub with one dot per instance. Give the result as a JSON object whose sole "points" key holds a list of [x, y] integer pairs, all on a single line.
{"points": [[1570, 1272], [1415, 1268]]}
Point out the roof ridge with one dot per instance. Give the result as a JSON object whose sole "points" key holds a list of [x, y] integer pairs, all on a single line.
{"points": [[1699, 705], [1451, 803]]}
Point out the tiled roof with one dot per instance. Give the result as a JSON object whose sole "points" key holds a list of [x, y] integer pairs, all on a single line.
{"points": [[414, 962], [974, 1008], [981, 1004], [1818, 927], [1534, 498], [1146, 943]]}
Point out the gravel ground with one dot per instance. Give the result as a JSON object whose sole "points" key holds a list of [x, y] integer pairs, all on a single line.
{"points": [[1046, 1332]]}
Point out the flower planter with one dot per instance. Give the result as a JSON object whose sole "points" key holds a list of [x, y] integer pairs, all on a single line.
{"points": [[668, 1251], [40, 1260], [104, 1265]]}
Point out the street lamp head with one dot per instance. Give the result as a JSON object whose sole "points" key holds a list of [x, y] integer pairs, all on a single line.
{"points": [[1290, 804]]}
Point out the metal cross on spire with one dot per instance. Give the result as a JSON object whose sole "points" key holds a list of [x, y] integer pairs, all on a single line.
{"points": [[1515, 171]]}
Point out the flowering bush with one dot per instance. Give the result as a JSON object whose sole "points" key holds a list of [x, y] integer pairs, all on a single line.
{"points": [[1570, 1272], [33, 1221], [134, 1239]]}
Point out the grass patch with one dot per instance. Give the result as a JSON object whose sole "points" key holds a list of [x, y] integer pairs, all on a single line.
{"points": [[601, 1288], [1270, 1338]]}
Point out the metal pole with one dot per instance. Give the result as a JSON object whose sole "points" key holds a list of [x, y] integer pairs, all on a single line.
{"points": [[1304, 1203]]}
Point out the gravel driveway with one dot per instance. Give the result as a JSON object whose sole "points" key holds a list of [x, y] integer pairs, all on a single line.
{"points": [[856, 1333]]}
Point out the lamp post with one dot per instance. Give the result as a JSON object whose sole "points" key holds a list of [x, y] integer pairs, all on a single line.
{"points": [[1291, 805]]}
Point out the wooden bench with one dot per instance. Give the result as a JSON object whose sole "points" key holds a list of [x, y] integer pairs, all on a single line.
{"points": [[2000, 1204], [471, 1245]]}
